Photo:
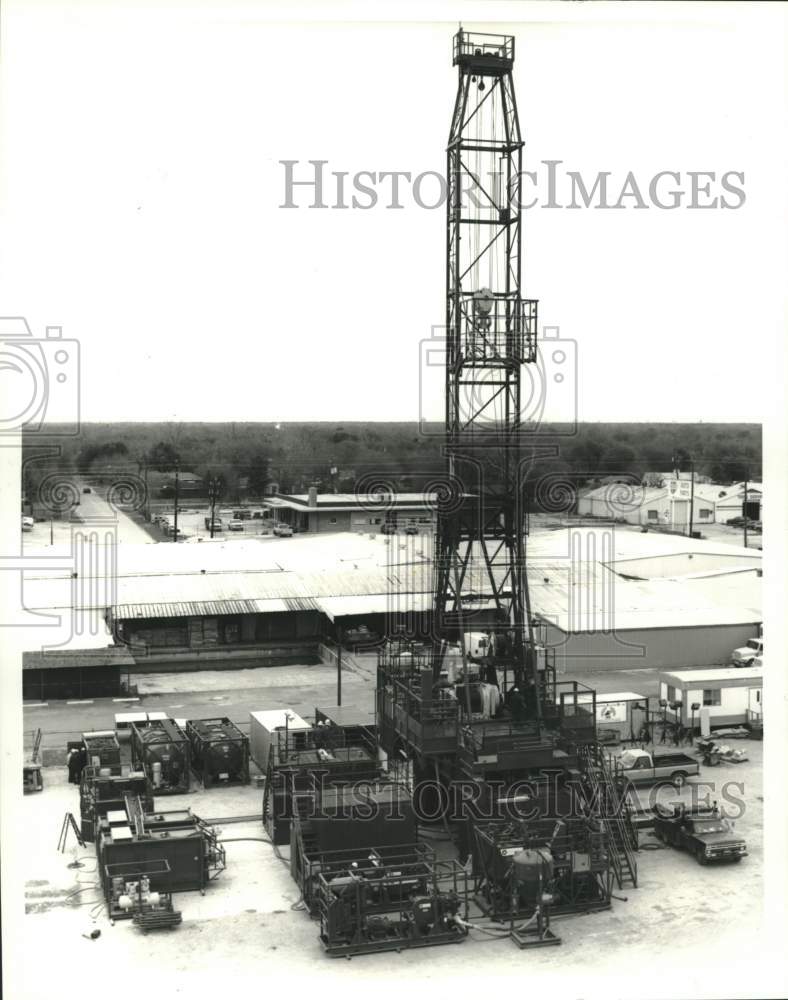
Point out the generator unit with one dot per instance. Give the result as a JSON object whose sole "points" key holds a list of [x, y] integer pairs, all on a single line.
{"points": [[163, 751], [219, 751], [104, 789], [305, 765], [372, 906], [102, 748], [352, 825], [175, 850]]}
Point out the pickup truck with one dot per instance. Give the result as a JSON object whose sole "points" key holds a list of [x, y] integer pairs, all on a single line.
{"points": [[703, 832], [744, 655], [640, 767]]}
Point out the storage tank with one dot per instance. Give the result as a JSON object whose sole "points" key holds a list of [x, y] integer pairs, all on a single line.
{"points": [[162, 750], [532, 871], [220, 751]]}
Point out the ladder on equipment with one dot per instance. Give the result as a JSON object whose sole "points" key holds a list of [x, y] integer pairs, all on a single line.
{"points": [[614, 813]]}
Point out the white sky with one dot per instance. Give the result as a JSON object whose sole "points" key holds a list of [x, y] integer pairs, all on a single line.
{"points": [[141, 191]]}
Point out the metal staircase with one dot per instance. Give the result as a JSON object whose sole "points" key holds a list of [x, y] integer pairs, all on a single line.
{"points": [[609, 804]]}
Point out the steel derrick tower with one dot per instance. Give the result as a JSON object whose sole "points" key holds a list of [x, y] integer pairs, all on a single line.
{"points": [[490, 337]]}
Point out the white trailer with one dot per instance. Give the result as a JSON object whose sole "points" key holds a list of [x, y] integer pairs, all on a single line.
{"points": [[732, 696]]}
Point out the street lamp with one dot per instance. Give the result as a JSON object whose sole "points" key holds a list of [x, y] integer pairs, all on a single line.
{"points": [[663, 704]]}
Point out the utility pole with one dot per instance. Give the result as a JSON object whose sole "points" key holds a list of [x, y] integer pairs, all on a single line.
{"points": [[213, 491], [146, 504], [339, 664], [692, 494], [175, 525], [746, 515]]}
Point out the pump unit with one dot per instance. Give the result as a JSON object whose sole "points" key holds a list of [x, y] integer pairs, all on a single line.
{"points": [[176, 850]]}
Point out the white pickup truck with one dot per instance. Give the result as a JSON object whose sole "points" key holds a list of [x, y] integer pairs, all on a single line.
{"points": [[744, 655]]}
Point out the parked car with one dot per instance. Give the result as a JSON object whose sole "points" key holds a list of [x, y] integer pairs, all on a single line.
{"points": [[86, 489], [218, 525], [388, 529], [411, 529], [744, 655], [703, 832], [640, 767], [27, 523], [235, 525], [739, 522], [359, 638], [282, 530]]}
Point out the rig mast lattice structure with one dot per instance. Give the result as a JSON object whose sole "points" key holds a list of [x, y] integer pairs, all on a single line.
{"points": [[490, 338]]}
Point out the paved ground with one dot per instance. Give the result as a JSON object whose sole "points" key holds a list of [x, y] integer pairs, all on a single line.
{"points": [[93, 509], [208, 693], [673, 935]]}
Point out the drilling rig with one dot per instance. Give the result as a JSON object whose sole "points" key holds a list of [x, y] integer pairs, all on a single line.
{"points": [[491, 714]]}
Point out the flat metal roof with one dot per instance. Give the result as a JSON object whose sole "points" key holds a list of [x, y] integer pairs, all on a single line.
{"points": [[743, 675]]}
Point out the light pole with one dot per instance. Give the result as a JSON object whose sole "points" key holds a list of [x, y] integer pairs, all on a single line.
{"points": [[676, 709], [664, 706], [695, 707]]}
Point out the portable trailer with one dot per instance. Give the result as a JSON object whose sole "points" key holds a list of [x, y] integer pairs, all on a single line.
{"points": [[163, 751], [101, 747], [219, 751], [103, 790], [176, 850]]}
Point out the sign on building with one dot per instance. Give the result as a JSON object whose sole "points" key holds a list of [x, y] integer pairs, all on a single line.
{"points": [[611, 711], [679, 488]]}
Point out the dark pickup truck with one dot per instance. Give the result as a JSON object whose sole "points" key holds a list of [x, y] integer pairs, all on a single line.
{"points": [[639, 767], [705, 833]]}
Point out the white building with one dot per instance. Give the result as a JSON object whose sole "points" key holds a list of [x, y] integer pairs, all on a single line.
{"points": [[669, 505]]}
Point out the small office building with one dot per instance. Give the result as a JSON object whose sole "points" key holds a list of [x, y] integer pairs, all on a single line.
{"points": [[732, 696]]}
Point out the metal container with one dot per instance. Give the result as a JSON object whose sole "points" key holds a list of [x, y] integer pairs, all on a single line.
{"points": [[220, 751], [102, 748], [163, 751]]}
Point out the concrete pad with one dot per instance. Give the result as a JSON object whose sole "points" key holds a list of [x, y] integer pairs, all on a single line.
{"points": [[245, 928]]}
